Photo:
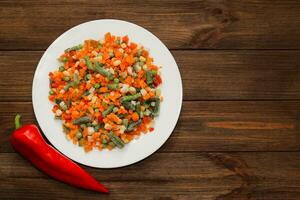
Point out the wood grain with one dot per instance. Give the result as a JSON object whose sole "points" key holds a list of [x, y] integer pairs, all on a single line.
{"points": [[209, 126], [206, 75], [207, 176], [211, 24], [238, 134]]}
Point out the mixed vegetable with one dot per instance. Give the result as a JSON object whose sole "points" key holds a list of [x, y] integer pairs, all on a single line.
{"points": [[105, 92]]}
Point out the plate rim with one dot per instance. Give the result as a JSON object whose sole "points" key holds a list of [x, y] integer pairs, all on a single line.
{"points": [[34, 93]]}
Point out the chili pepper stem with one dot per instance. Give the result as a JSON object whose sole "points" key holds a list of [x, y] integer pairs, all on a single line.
{"points": [[18, 123]]}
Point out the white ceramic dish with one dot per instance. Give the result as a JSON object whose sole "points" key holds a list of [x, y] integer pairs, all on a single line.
{"points": [[137, 149]]}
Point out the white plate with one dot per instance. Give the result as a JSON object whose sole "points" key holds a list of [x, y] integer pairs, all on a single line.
{"points": [[136, 150]]}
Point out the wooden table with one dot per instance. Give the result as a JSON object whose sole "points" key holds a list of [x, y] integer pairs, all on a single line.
{"points": [[238, 135]]}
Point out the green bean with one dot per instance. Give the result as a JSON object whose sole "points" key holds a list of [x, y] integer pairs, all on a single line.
{"points": [[121, 116], [97, 127], [112, 144], [157, 105], [85, 93], [128, 105], [69, 102], [108, 110], [103, 71], [154, 109], [149, 77], [66, 87], [75, 79], [131, 97], [113, 86], [82, 126], [57, 101], [125, 122], [133, 125], [138, 108], [63, 105], [74, 48], [116, 140], [88, 63], [82, 120]]}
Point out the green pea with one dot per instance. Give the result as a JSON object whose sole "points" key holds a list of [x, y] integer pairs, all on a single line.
{"points": [[67, 78], [61, 68], [97, 85], [88, 76], [79, 135], [116, 80], [51, 92], [104, 141], [96, 110], [65, 59]]}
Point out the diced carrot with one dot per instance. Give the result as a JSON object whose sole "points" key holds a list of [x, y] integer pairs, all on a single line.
{"points": [[125, 39], [107, 37], [135, 116], [132, 45], [118, 54], [104, 89]]}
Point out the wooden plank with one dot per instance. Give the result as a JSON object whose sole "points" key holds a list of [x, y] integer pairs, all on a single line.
{"points": [[221, 24], [209, 126], [177, 176], [214, 75]]}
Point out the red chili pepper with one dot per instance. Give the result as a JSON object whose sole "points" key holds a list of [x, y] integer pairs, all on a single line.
{"points": [[28, 141]]}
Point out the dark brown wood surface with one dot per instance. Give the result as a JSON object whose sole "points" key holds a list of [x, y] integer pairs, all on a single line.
{"points": [[238, 135]]}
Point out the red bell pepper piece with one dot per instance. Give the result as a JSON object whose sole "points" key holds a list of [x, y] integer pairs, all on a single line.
{"points": [[157, 80], [28, 141]]}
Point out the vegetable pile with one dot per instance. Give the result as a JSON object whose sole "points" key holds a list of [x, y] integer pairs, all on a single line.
{"points": [[105, 92]]}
